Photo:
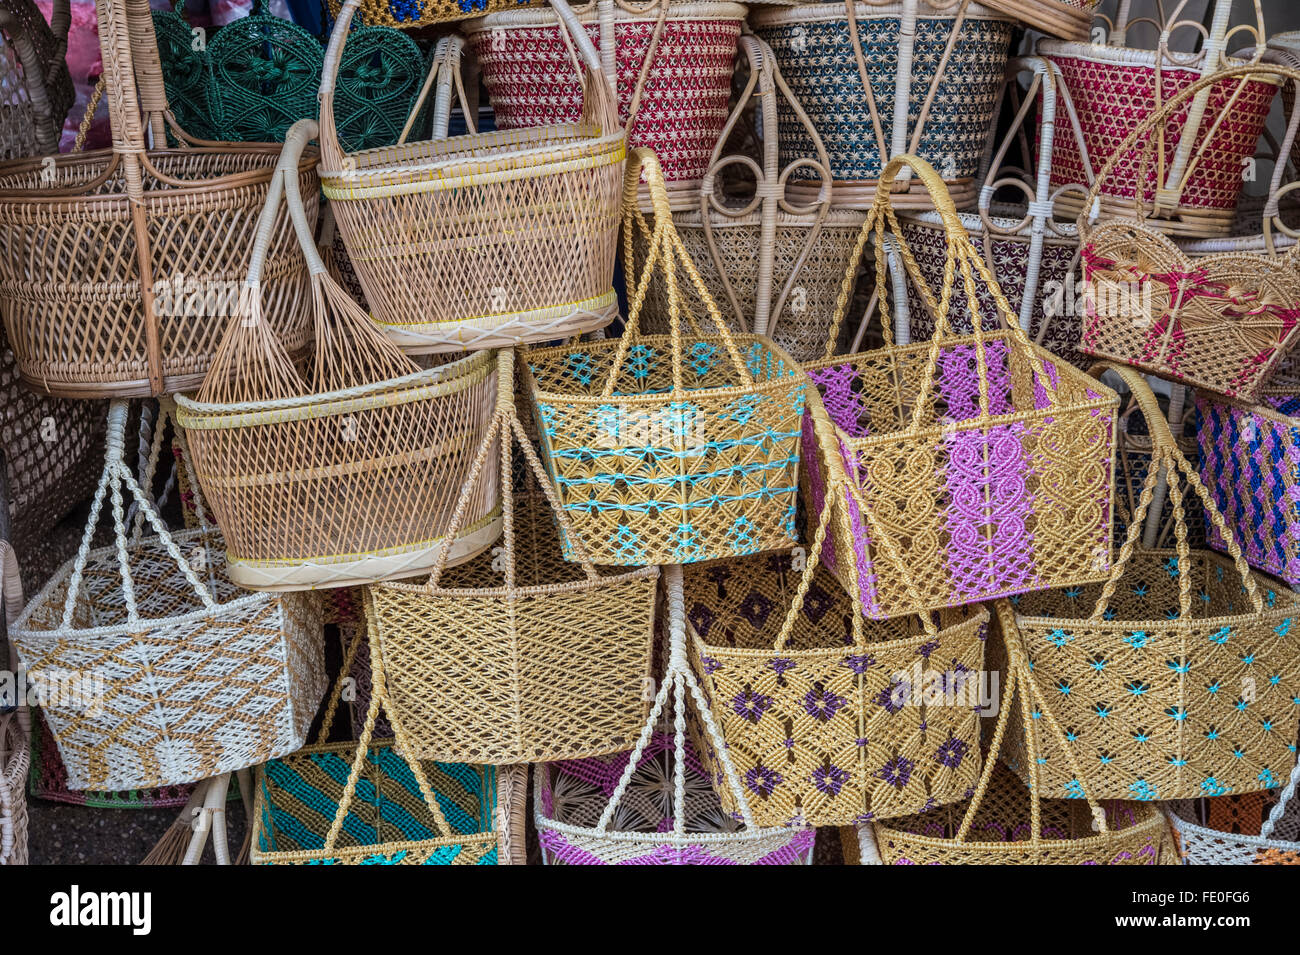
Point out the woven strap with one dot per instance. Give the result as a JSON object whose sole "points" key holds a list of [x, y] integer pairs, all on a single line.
{"points": [[1279, 809]]}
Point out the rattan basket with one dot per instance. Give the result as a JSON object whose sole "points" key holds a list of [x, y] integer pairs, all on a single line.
{"points": [[35, 86], [15, 727]]}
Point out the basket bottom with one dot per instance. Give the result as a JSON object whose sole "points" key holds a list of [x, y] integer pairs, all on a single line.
{"points": [[860, 194], [313, 574], [505, 331]]}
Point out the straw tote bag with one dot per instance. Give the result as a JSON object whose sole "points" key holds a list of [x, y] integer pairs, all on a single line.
{"points": [[1178, 677], [1240, 830], [351, 475], [669, 448], [15, 727], [654, 805], [485, 240], [171, 232], [1193, 187], [984, 458], [152, 667], [1219, 322], [371, 803], [830, 720], [774, 266], [517, 656], [1005, 823]]}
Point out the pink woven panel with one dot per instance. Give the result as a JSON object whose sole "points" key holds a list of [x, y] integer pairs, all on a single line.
{"points": [[531, 82], [1113, 100]]}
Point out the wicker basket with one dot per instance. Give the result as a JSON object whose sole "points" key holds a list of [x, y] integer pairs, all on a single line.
{"points": [[670, 448], [351, 476], [670, 61], [517, 656], [1067, 19], [1192, 186], [135, 656], [1251, 829], [1174, 680], [773, 266], [830, 720], [985, 460], [654, 805], [314, 808], [1005, 823], [15, 728], [1220, 321], [35, 86], [881, 79], [482, 241], [173, 231]]}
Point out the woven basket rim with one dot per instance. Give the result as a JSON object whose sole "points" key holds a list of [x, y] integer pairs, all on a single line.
{"points": [[829, 12], [1260, 409], [1240, 839], [1004, 215], [1125, 56], [835, 219], [544, 17]]}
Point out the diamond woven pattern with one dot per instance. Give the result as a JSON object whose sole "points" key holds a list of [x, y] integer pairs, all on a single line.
{"points": [[410, 14], [1226, 830]]}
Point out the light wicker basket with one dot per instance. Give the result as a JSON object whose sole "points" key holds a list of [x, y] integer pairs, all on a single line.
{"points": [[114, 264], [485, 240]]}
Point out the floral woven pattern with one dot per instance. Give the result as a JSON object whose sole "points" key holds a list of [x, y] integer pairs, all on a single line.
{"points": [[411, 14]]}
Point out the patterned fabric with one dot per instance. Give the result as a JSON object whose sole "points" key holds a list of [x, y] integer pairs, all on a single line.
{"points": [[817, 60], [410, 14], [531, 81], [1250, 461], [823, 732]]}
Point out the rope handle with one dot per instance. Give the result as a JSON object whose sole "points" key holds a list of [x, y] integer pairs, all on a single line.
{"points": [[1279, 808], [664, 245], [766, 83], [116, 475], [882, 220], [679, 680], [506, 428], [1167, 459]]}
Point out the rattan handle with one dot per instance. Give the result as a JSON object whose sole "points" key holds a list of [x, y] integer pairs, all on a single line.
{"points": [[445, 71], [148, 68]]}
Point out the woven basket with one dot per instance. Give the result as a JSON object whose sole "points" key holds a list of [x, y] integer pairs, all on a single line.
{"points": [[671, 63], [1174, 680], [352, 475], [1067, 19], [35, 86], [151, 676], [654, 805], [413, 14], [1134, 454], [482, 241], [173, 232], [773, 266], [829, 720], [881, 79], [670, 448], [517, 656], [1220, 321], [15, 727], [983, 458], [314, 808], [1250, 461], [1005, 823], [1192, 186], [1251, 829]]}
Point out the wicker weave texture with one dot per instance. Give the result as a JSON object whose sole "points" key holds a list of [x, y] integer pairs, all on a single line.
{"points": [[1226, 830]]}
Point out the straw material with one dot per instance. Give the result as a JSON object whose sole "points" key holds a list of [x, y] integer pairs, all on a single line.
{"points": [[154, 669], [985, 460], [114, 275], [1177, 678], [517, 656], [35, 87], [314, 808], [1067, 19], [1003, 823], [654, 806], [1251, 829], [670, 448], [1250, 461], [351, 475], [881, 79], [1133, 463], [671, 63], [482, 241], [413, 14]]}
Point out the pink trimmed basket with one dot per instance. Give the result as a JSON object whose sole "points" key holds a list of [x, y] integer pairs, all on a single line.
{"points": [[680, 56]]}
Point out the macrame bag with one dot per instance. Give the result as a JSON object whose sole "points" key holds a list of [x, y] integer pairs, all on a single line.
{"points": [[985, 459], [669, 448], [1250, 829], [414, 14]]}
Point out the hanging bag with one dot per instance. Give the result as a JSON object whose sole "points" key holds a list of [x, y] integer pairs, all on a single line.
{"points": [[1254, 838]]}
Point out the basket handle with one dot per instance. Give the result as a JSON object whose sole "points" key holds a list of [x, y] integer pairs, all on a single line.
{"points": [[679, 680], [506, 428], [445, 70], [1167, 459], [1279, 808], [664, 246], [962, 257], [766, 83]]}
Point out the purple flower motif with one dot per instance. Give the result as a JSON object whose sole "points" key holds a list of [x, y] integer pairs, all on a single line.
{"points": [[821, 703], [861, 741], [779, 665], [816, 603], [710, 665], [952, 752], [895, 696], [952, 681], [830, 779], [755, 608], [859, 663], [897, 772], [925, 649], [750, 705], [762, 781], [702, 619]]}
